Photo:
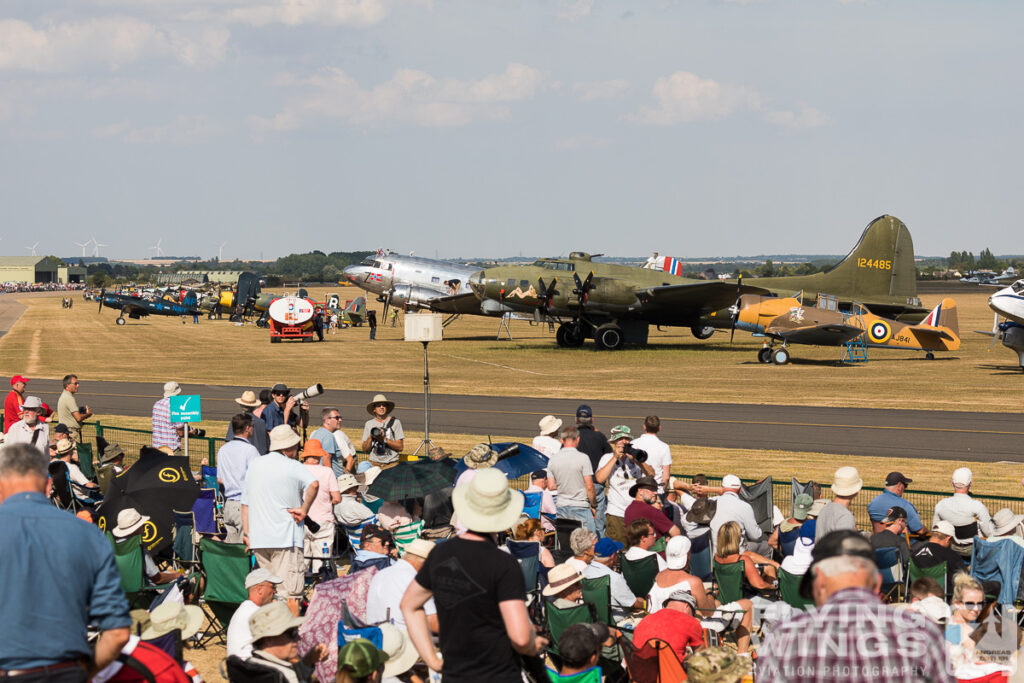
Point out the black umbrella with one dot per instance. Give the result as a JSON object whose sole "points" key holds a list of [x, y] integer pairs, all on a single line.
{"points": [[411, 480], [156, 485]]}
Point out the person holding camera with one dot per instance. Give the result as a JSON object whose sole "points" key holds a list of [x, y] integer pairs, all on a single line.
{"points": [[283, 408], [383, 437], [618, 471]]}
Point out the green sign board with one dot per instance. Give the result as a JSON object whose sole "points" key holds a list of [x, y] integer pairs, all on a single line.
{"points": [[186, 408]]}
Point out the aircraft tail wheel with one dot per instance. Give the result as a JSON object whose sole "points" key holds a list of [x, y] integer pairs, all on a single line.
{"points": [[930, 355], [609, 337], [780, 356], [764, 355], [120, 321], [209, 316]]}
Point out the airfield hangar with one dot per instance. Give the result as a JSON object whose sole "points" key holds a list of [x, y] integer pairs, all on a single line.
{"points": [[38, 269]]}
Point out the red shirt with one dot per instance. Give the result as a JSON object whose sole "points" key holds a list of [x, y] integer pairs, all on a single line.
{"points": [[12, 409], [638, 510], [675, 628]]}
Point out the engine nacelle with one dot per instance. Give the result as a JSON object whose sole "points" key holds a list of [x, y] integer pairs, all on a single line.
{"points": [[414, 296], [494, 307]]}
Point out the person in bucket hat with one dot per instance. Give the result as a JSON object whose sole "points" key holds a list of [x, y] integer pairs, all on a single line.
{"points": [[477, 589], [275, 643], [617, 472], [383, 436], [547, 441], [259, 439], [836, 515]]}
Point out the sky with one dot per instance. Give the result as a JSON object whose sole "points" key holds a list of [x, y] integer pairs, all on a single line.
{"points": [[491, 128]]}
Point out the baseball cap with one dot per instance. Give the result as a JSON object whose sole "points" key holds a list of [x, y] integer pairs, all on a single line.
{"points": [[894, 513], [584, 411], [619, 432], [539, 474], [731, 481], [944, 527], [962, 476], [682, 595], [607, 547], [19, 378], [801, 506], [894, 478], [835, 544], [258, 576]]}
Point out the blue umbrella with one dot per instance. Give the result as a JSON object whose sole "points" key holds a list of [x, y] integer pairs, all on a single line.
{"points": [[514, 459]]}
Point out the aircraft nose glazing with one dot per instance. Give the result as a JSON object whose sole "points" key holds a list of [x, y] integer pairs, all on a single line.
{"points": [[353, 273]]}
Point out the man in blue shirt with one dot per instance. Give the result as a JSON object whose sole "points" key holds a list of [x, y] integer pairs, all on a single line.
{"points": [[282, 408], [892, 496], [59, 577], [233, 461], [341, 464]]}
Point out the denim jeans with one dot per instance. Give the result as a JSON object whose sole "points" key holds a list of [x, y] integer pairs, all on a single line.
{"points": [[602, 510], [580, 513]]}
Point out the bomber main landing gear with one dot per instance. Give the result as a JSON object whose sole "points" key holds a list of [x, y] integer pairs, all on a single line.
{"points": [[609, 337], [570, 335], [120, 320]]}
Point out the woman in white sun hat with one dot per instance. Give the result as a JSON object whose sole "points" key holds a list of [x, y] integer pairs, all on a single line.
{"points": [[477, 589]]}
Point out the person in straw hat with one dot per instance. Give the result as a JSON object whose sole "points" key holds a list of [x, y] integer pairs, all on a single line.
{"points": [[276, 498], [132, 523], [547, 441], [387, 442], [478, 591], [846, 484], [275, 643], [1006, 526], [260, 439], [67, 452], [233, 460], [565, 586]]}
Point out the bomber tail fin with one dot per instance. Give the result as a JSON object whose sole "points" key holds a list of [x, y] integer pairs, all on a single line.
{"points": [[880, 264]]}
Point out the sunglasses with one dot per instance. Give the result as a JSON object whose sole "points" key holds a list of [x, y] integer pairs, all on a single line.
{"points": [[973, 605]]}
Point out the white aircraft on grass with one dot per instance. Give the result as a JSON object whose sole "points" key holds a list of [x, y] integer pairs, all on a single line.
{"points": [[1009, 303]]}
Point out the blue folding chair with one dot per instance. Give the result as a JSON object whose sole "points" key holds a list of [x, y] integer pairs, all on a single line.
{"points": [[204, 510], [531, 504], [354, 533]]}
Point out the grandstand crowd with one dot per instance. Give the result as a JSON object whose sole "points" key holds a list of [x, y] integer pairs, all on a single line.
{"points": [[578, 557]]}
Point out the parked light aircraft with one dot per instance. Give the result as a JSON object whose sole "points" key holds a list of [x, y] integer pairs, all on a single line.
{"points": [[1009, 303], [786, 319], [136, 307]]}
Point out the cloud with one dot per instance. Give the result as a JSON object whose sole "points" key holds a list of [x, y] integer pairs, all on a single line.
{"points": [[807, 117], [410, 96], [582, 142], [572, 10], [600, 90], [355, 13], [183, 130], [110, 42]]}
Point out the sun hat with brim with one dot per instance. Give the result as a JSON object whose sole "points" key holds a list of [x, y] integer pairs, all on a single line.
{"points": [[716, 665], [436, 453], [399, 649], [846, 481], [377, 400], [619, 432], [65, 446], [128, 522], [32, 403], [801, 506], [1005, 521], [280, 388], [844, 542], [486, 503], [480, 456], [817, 506], [643, 483], [140, 620], [248, 399], [702, 511], [549, 424], [283, 437], [347, 481], [111, 453], [261, 575], [313, 449], [561, 577], [420, 547], [272, 620], [173, 616], [677, 550], [171, 389], [360, 657]]}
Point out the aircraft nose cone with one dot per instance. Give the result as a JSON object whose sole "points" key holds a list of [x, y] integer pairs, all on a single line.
{"points": [[352, 273]]}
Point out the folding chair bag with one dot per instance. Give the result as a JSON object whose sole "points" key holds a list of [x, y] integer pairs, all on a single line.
{"points": [[730, 581], [760, 497]]}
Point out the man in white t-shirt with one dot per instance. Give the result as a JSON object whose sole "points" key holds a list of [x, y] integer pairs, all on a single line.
{"points": [[617, 472], [659, 455], [546, 442], [262, 587], [388, 586]]}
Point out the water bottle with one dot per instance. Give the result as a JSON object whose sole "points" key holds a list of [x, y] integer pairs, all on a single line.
{"points": [[327, 552]]}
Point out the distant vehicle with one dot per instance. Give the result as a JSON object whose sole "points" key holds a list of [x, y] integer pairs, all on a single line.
{"points": [[1009, 303], [291, 317], [137, 307], [786, 319]]}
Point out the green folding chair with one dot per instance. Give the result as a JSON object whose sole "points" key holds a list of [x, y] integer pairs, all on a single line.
{"points": [[729, 578], [640, 574], [598, 593], [85, 462], [591, 675], [225, 566], [938, 572], [131, 566], [789, 587], [560, 619]]}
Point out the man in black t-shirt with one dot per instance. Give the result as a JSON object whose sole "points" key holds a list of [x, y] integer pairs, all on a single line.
{"points": [[892, 534], [477, 589], [594, 444], [936, 550]]}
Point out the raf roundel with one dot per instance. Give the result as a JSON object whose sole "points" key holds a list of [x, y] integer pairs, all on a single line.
{"points": [[879, 332]]}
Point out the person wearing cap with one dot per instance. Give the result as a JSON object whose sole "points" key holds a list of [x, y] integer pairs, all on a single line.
{"points": [[836, 515], [350, 511], [261, 586], [617, 472], [12, 403], [275, 644], [59, 578], [729, 507], [539, 484], [330, 424], [85, 490], [547, 442], [164, 432], [594, 445], [675, 623], [233, 460], [674, 576], [283, 409], [579, 649], [30, 429], [260, 439], [624, 602], [276, 498], [936, 550], [644, 492], [573, 476], [1006, 526], [892, 496], [68, 412], [130, 522], [968, 515], [388, 586], [892, 535], [784, 536], [322, 510], [384, 449], [852, 636], [111, 465], [478, 591], [659, 455], [359, 661], [376, 549]]}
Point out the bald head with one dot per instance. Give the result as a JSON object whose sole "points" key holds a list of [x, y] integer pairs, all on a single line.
{"points": [[833, 574]]}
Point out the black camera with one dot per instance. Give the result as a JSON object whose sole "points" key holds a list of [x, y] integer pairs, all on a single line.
{"points": [[195, 431], [378, 445], [638, 454]]}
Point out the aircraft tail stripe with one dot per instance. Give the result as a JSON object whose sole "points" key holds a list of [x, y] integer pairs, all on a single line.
{"points": [[933, 318], [672, 265]]}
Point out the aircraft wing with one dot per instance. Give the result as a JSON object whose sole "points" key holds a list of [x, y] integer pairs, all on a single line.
{"points": [[934, 332], [828, 334], [458, 303], [699, 298]]}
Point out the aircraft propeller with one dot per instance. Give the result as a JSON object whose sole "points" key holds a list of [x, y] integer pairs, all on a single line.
{"points": [[995, 331], [734, 310], [583, 288], [546, 293], [387, 302]]}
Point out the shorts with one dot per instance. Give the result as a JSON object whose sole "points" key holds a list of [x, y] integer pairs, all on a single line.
{"points": [[288, 565]]}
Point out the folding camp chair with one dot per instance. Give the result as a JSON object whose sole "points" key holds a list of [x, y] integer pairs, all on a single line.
{"points": [[225, 566], [890, 567], [761, 498], [591, 675], [406, 534], [132, 567], [204, 513], [938, 572], [183, 547], [209, 475], [85, 462], [527, 553], [563, 530], [789, 588], [560, 619], [598, 594], [639, 574], [354, 532], [171, 644], [61, 493], [104, 475], [729, 578], [653, 662], [243, 671], [531, 504], [700, 556]]}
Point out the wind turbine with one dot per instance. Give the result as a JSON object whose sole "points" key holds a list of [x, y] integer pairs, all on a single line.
{"points": [[157, 249], [33, 249], [84, 245], [96, 247], [220, 251]]}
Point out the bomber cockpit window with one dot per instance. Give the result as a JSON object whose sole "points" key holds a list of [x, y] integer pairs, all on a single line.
{"points": [[368, 261]]}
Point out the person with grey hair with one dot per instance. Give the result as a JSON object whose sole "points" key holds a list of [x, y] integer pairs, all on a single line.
{"points": [[573, 476], [64, 567], [30, 429], [581, 542], [330, 422]]}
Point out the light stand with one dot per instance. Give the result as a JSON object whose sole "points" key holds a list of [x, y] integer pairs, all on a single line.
{"points": [[424, 328], [426, 444]]}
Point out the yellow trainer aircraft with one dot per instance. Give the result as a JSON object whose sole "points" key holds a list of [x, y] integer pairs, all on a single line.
{"points": [[786, 319]]}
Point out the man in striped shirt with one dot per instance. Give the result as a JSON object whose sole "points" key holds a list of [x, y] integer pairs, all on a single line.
{"points": [[164, 432]]}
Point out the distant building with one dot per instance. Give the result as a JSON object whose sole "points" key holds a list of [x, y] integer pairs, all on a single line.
{"points": [[193, 277], [38, 269]]}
